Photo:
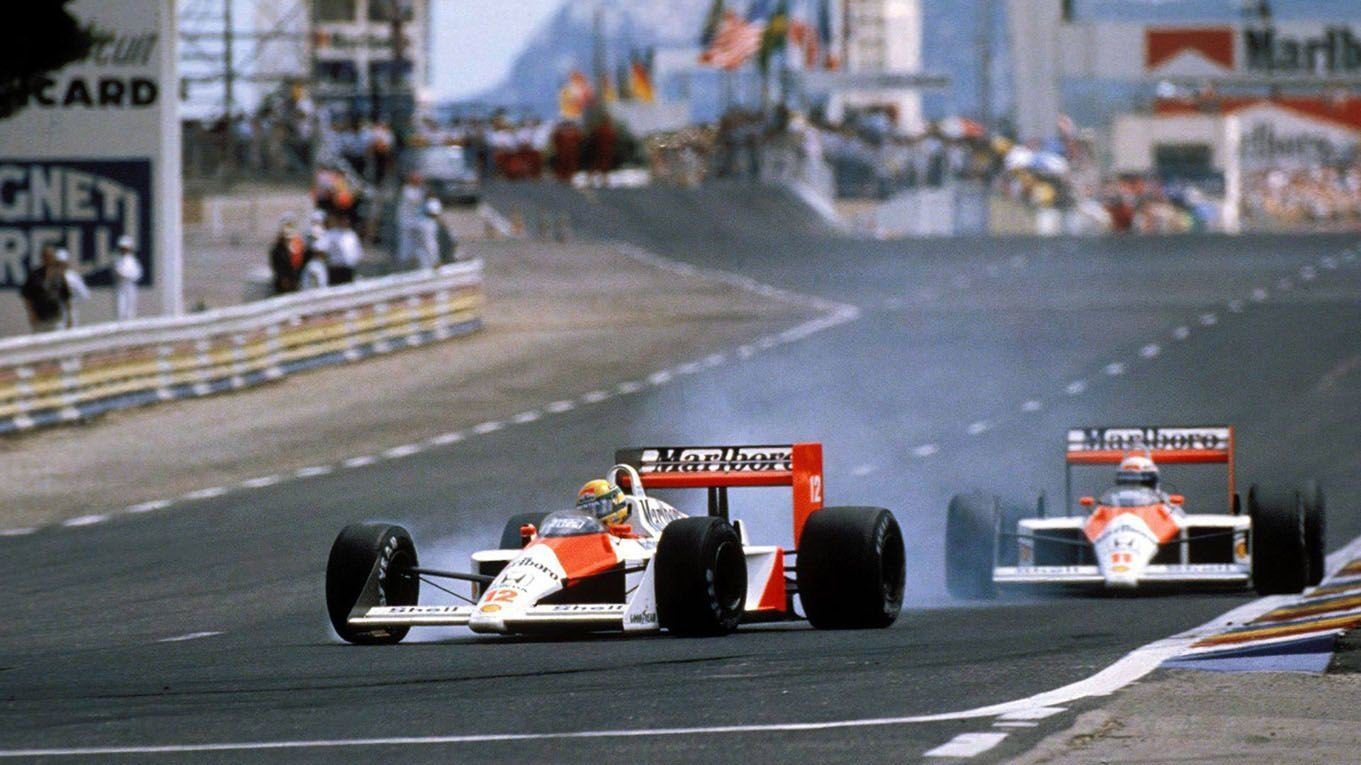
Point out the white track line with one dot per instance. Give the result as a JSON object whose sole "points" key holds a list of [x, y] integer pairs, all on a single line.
{"points": [[84, 520], [967, 745], [405, 450], [444, 439], [190, 636]]}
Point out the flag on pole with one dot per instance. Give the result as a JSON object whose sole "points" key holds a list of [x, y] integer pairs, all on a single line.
{"points": [[775, 35], [711, 22], [640, 80], [576, 94], [804, 38], [735, 42]]}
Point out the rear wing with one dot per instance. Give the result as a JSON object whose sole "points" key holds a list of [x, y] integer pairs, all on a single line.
{"points": [[1168, 445], [718, 468]]}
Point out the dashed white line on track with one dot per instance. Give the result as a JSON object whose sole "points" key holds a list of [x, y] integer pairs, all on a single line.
{"points": [[1032, 405], [595, 396], [1115, 369], [23, 531], [558, 407], [313, 471], [405, 450], [659, 378], [189, 636], [1181, 333], [1150, 351], [84, 520], [925, 450], [977, 428], [524, 418], [1076, 388], [967, 745], [1033, 713], [147, 507], [629, 387], [444, 439], [208, 493], [358, 462], [491, 426]]}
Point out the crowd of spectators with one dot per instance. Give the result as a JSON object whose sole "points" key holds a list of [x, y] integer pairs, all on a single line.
{"points": [[531, 149], [1324, 195]]}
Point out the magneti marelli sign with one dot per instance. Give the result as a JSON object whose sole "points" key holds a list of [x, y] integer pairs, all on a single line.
{"points": [[94, 155]]}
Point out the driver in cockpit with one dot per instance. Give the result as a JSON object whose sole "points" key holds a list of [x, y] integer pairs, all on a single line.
{"points": [[605, 502], [1135, 470]]}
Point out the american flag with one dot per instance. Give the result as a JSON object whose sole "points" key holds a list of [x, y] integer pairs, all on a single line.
{"points": [[734, 43]]}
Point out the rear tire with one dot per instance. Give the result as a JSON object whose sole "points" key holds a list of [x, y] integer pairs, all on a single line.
{"points": [[361, 550], [851, 568], [701, 577], [1280, 559], [971, 546], [510, 535], [1315, 530]]}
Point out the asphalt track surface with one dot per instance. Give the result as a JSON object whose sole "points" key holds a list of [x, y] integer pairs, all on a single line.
{"points": [[967, 362]]}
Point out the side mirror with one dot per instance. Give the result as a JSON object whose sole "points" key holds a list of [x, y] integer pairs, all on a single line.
{"points": [[1087, 502], [1176, 499], [527, 533]]}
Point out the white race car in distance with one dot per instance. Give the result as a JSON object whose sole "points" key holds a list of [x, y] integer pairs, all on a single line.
{"points": [[1137, 536]]}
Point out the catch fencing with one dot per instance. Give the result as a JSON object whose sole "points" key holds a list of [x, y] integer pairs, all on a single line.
{"points": [[74, 375]]}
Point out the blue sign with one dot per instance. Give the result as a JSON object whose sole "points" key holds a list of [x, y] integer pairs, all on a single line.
{"points": [[83, 206]]}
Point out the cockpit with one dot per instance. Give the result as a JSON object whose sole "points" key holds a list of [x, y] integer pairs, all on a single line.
{"points": [[1131, 496], [570, 523]]}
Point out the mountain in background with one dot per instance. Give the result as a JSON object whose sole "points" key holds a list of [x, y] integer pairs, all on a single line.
{"points": [[950, 44]]}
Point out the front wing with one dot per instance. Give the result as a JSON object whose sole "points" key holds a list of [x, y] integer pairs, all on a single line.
{"points": [[1188, 574], [597, 615]]}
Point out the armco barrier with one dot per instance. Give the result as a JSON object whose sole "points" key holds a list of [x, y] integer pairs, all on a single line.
{"points": [[66, 376]]}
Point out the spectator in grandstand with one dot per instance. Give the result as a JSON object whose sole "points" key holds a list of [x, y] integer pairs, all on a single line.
{"points": [[343, 251], [127, 272], [315, 272], [286, 256], [427, 245], [46, 294], [75, 285]]}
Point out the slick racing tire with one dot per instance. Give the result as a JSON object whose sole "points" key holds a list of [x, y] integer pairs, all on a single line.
{"points": [[851, 568], [701, 577], [363, 550], [1280, 556], [510, 535], [1315, 530], [971, 546]]}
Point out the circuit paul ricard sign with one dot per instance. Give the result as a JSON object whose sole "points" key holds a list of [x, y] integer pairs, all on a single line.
{"points": [[95, 153]]}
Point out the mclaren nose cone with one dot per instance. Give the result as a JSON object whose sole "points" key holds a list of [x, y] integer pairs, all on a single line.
{"points": [[1124, 549]]}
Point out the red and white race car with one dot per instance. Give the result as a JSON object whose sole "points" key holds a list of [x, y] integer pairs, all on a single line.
{"points": [[659, 569], [1137, 534]]}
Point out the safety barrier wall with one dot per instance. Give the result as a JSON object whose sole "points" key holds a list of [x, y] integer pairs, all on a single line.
{"points": [[66, 376]]}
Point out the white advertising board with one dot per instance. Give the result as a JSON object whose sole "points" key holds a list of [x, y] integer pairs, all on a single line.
{"points": [[96, 154]]}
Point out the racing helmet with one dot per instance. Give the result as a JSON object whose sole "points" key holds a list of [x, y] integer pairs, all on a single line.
{"points": [[1136, 470], [603, 500]]}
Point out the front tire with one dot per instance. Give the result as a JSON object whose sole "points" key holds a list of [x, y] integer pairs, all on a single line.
{"points": [[971, 546], [701, 577], [851, 568], [1280, 557], [363, 552]]}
